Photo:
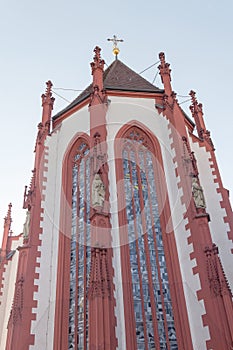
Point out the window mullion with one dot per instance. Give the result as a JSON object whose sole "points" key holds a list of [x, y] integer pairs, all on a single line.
{"points": [[138, 253]]}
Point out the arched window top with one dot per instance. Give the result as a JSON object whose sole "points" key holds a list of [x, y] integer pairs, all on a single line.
{"points": [[137, 136], [82, 150], [80, 252], [141, 166]]}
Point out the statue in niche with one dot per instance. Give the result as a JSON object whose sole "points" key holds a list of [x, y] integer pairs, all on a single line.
{"points": [[26, 225], [98, 191], [198, 195]]}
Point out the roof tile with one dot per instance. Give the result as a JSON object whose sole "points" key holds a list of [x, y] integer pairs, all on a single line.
{"points": [[116, 77]]}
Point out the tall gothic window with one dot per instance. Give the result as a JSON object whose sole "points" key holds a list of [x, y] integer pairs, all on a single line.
{"points": [[150, 287], [80, 255]]}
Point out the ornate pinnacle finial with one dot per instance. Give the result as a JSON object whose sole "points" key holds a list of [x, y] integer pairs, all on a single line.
{"points": [[98, 62], [97, 51], [8, 219], [7, 231], [97, 67], [47, 97], [47, 104], [164, 66], [115, 41], [28, 194], [193, 108], [164, 72], [162, 57], [193, 97], [197, 113], [49, 87]]}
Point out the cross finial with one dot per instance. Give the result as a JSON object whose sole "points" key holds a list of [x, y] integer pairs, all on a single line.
{"points": [[115, 41]]}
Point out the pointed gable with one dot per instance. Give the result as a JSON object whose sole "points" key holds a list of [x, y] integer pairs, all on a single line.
{"points": [[117, 77], [120, 77]]}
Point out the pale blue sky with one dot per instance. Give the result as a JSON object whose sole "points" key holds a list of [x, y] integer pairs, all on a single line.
{"points": [[55, 39]]}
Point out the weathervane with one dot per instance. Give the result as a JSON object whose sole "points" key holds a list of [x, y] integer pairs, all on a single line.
{"points": [[115, 41]]}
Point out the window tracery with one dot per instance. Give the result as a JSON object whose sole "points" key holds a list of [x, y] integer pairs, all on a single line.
{"points": [[150, 286], [80, 255]]}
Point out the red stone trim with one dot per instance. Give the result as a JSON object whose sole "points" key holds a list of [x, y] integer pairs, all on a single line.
{"points": [[134, 94], [67, 114], [41, 183], [20, 332], [199, 237], [20, 314], [176, 285], [101, 309], [225, 202], [4, 262], [174, 116], [192, 225], [3, 266], [63, 272], [222, 309], [158, 97]]}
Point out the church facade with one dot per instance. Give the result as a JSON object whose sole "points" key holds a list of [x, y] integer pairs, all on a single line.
{"points": [[128, 237]]}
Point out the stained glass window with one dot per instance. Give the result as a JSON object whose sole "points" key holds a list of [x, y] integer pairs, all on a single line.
{"points": [[150, 286], [79, 250]]}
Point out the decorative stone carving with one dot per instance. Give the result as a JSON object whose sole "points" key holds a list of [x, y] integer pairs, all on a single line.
{"points": [[97, 61], [26, 225], [198, 195], [98, 192], [189, 159], [29, 194], [217, 279], [164, 66], [99, 282], [17, 306], [207, 137]]}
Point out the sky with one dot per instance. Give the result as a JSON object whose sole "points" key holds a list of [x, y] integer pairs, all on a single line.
{"points": [[42, 40]]}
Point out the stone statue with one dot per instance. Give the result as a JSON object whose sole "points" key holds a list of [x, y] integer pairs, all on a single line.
{"points": [[98, 191], [198, 195], [26, 225]]}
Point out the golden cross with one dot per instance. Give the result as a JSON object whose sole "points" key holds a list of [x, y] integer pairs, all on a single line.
{"points": [[115, 41]]}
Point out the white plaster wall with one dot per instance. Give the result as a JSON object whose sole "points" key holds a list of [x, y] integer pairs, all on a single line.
{"points": [[8, 292], [121, 111], [120, 317], [217, 225], [43, 326], [191, 283]]}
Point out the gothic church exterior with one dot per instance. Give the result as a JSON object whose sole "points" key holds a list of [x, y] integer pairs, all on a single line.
{"points": [[127, 241]]}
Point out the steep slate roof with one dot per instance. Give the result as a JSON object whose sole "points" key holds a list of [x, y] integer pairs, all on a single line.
{"points": [[117, 77], [120, 77]]}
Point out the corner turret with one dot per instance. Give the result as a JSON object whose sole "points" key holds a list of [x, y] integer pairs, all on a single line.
{"points": [[197, 113], [47, 104], [97, 67], [164, 72], [7, 230]]}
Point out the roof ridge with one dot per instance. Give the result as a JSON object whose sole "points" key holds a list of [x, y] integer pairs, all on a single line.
{"points": [[118, 76]]}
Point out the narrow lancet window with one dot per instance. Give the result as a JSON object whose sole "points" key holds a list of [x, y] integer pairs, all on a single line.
{"points": [[80, 255], [150, 286]]}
